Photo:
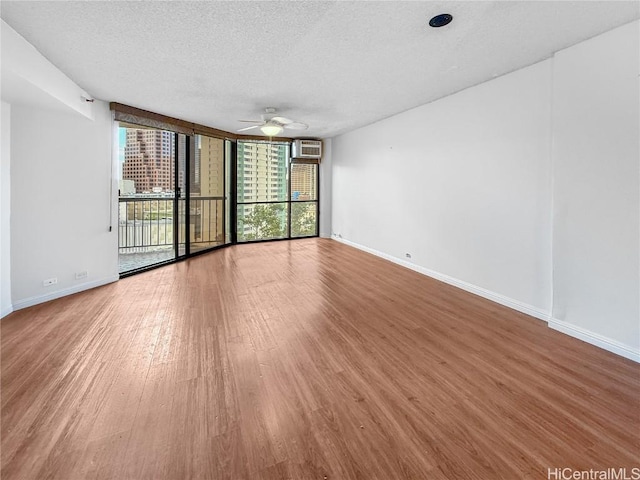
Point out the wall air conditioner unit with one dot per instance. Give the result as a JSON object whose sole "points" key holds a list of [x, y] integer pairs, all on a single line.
{"points": [[311, 149]]}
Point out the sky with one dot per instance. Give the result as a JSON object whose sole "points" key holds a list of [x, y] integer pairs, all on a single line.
{"points": [[122, 139]]}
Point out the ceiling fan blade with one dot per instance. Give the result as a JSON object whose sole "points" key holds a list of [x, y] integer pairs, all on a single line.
{"points": [[251, 121], [282, 120], [247, 128], [296, 126]]}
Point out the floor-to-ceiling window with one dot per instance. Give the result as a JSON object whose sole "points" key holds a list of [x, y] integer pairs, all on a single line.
{"points": [[304, 198], [262, 191], [173, 195], [185, 189], [276, 197]]}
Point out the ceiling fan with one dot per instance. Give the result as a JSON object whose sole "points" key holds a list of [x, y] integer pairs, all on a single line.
{"points": [[272, 125]]}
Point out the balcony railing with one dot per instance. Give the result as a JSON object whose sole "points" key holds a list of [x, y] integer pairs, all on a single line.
{"points": [[147, 224]]}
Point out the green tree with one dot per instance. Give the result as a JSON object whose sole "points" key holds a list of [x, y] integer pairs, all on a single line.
{"points": [[303, 219], [266, 221]]}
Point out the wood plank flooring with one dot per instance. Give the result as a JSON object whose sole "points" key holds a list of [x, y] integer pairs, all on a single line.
{"points": [[303, 360]]}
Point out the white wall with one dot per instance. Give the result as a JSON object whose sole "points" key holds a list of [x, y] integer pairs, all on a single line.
{"points": [[325, 189], [596, 170], [5, 211], [60, 199], [480, 188], [462, 185]]}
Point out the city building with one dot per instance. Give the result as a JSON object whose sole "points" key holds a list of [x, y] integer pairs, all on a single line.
{"points": [[262, 172], [263, 167], [303, 182], [148, 160], [207, 191]]}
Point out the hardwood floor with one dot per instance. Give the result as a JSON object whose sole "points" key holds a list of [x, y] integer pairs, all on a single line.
{"points": [[303, 360]]}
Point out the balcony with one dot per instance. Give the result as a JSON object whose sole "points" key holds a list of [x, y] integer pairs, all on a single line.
{"points": [[147, 228]]}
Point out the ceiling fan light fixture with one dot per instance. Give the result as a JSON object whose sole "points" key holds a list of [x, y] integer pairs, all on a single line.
{"points": [[271, 130]]}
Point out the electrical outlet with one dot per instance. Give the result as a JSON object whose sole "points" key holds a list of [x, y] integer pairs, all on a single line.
{"points": [[49, 281], [81, 275]]}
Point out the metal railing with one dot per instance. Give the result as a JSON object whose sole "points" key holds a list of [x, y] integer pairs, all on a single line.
{"points": [[147, 224]]}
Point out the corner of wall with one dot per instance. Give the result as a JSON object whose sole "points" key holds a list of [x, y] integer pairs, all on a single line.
{"points": [[596, 339], [326, 172], [6, 306], [596, 192]]}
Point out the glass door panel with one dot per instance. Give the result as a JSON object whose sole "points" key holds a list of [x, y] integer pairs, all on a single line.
{"points": [[206, 193], [146, 224], [228, 188], [180, 176]]}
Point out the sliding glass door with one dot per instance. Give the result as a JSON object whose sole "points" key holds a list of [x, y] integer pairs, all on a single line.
{"points": [[172, 196], [148, 202], [206, 194], [183, 194]]}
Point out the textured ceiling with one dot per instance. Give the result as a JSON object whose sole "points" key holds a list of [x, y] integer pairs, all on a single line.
{"points": [[333, 65]]}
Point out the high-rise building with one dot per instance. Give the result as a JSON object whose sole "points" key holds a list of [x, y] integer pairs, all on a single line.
{"points": [[148, 159], [303, 181], [262, 177], [263, 167], [207, 190], [207, 174]]}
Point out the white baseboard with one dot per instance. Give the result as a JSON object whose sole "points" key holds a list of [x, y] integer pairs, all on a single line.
{"points": [[35, 300], [482, 292], [596, 339], [6, 311], [564, 327]]}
